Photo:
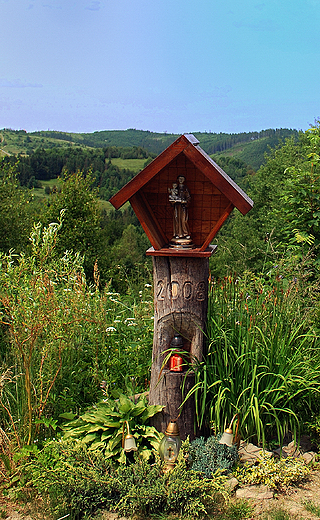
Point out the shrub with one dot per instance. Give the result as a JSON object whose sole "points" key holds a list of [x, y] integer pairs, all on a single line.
{"points": [[70, 479], [209, 455], [273, 473], [77, 481], [59, 338]]}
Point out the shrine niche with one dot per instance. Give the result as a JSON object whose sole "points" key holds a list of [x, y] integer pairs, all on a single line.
{"points": [[181, 199], [213, 195]]}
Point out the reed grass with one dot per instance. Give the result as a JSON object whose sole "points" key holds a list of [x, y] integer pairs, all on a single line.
{"points": [[262, 360]]}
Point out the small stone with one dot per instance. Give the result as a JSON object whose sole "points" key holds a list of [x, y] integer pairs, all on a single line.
{"points": [[251, 454], [231, 484], [309, 456], [291, 450], [255, 492]]}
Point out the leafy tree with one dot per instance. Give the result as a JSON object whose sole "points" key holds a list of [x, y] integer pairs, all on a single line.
{"points": [[16, 211], [256, 240], [300, 201], [81, 230]]}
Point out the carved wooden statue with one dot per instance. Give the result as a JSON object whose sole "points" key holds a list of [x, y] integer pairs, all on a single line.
{"points": [[179, 197]]}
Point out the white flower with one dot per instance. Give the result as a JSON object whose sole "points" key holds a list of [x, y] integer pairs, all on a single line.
{"points": [[147, 285], [111, 329]]}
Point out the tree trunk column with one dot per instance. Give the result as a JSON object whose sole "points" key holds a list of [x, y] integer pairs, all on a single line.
{"points": [[180, 303]]}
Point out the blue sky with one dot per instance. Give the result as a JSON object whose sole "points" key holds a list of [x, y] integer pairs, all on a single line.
{"points": [[159, 65]]}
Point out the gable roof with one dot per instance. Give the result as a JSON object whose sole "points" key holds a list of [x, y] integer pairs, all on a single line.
{"points": [[188, 145]]}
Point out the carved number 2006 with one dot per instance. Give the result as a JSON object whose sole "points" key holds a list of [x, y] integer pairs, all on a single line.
{"points": [[173, 290]]}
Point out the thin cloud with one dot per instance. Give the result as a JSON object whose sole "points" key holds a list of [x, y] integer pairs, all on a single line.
{"points": [[94, 6], [260, 25], [52, 6], [17, 83]]}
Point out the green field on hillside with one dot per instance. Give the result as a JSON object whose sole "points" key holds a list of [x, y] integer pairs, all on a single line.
{"points": [[136, 165]]}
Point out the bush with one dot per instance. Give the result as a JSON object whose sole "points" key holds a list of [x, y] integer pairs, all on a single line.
{"points": [[273, 473], [70, 479], [61, 338], [209, 455], [77, 481]]}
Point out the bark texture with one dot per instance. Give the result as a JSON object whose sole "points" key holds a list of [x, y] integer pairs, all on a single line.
{"points": [[180, 302]]}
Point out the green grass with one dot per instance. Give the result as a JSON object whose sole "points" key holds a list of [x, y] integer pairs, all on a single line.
{"points": [[312, 508], [277, 513], [136, 165], [40, 193]]}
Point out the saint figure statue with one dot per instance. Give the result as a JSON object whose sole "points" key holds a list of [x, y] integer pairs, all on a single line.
{"points": [[179, 197]]}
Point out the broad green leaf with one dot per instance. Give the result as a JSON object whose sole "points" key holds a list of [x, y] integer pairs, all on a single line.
{"points": [[125, 404], [112, 453], [106, 436], [90, 437], [70, 416], [145, 454], [151, 411], [97, 445], [138, 409], [114, 441], [122, 459]]}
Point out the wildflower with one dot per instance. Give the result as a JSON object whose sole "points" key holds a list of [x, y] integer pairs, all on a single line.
{"points": [[147, 285], [111, 329]]}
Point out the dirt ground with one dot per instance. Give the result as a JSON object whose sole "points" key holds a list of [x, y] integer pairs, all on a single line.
{"points": [[291, 501]]}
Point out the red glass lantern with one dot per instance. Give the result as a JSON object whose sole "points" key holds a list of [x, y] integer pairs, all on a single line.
{"points": [[176, 361]]}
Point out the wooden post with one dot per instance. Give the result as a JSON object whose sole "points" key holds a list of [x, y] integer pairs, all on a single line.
{"points": [[180, 303]]}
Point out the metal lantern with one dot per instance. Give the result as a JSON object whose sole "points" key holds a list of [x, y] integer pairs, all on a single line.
{"points": [[170, 445], [176, 361], [227, 436], [128, 441]]}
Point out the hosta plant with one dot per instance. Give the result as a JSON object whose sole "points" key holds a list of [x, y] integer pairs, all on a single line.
{"points": [[101, 427]]}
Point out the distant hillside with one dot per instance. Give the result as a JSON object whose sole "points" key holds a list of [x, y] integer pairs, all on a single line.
{"points": [[249, 147]]}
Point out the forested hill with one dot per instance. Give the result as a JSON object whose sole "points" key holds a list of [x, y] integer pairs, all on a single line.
{"points": [[249, 147]]}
